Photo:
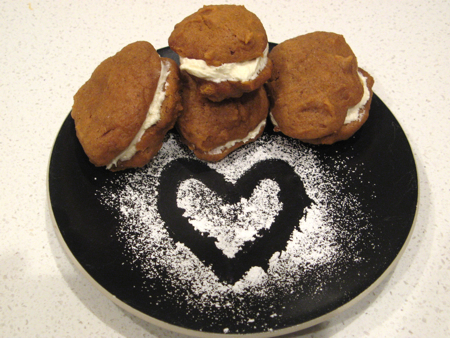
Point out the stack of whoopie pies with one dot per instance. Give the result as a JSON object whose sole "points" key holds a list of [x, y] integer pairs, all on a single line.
{"points": [[216, 97], [224, 64]]}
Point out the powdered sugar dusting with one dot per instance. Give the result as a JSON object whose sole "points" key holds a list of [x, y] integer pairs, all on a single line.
{"points": [[231, 225], [311, 254]]}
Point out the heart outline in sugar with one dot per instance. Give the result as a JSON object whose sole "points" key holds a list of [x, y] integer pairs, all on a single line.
{"points": [[208, 213], [253, 253]]}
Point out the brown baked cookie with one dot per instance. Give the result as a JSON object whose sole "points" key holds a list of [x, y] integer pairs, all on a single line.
{"points": [[349, 129], [212, 130], [111, 107], [224, 47], [314, 82], [219, 34]]}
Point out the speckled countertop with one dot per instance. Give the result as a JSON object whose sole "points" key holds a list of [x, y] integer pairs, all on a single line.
{"points": [[49, 49]]}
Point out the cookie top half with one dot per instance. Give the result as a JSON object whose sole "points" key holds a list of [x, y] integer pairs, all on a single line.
{"points": [[219, 34]]}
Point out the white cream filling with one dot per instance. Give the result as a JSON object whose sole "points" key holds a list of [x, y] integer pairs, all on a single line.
{"points": [[239, 71], [273, 120], [230, 144], [353, 113], [153, 116]]}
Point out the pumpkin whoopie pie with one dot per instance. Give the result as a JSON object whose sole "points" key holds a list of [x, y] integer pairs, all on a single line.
{"points": [[318, 94], [124, 110], [224, 48], [212, 130]]}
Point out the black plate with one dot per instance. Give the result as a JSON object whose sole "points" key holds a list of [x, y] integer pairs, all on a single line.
{"points": [[336, 219]]}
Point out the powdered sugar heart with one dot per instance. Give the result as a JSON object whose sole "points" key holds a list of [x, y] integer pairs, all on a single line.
{"points": [[231, 246], [230, 224]]}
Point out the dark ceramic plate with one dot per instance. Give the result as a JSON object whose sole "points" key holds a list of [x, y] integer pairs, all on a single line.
{"points": [[275, 238]]}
